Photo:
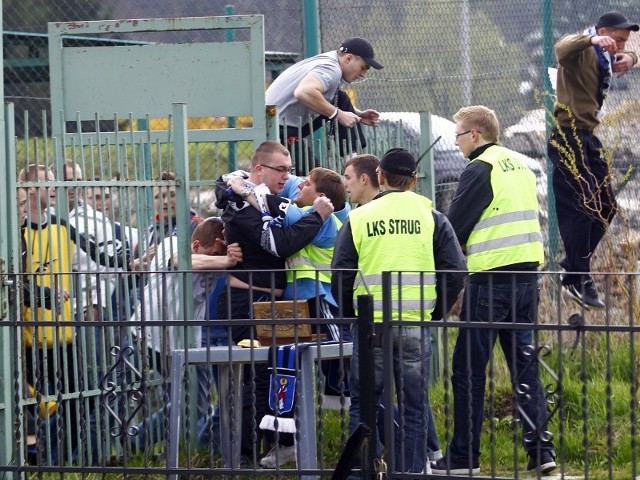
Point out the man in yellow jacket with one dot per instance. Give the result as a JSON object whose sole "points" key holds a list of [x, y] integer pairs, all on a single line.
{"points": [[494, 213], [399, 232], [47, 255]]}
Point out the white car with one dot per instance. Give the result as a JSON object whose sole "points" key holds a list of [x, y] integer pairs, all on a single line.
{"points": [[403, 129]]}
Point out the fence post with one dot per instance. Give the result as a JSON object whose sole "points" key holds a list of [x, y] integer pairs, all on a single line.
{"points": [[368, 400], [230, 36], [311, 27], [184, 337], [388, 395], [548, 60], [426, 186], [273, 132], [9, 266], [428, 189]]}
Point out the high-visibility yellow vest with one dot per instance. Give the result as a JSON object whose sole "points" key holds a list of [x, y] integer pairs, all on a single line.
{"points": [[48, 265], [508, 231], [311, 262], [46, 409], [395, 233]]}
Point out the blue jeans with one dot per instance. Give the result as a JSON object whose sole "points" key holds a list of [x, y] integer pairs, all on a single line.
{"points": [[500, 304], [411, 356]]}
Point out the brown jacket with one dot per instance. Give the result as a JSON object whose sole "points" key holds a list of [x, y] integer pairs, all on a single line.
{"points": [[578, 78]]}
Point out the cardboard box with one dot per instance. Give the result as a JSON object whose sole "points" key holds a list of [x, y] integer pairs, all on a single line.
{"points": [[284, 333]]}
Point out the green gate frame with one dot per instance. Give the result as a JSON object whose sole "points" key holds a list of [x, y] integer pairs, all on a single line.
{"points": [[9, 264], [213, 78]]}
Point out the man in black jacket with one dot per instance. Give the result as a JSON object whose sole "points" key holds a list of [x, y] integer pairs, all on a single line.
{"points": [[430, 246], [265, 244]]}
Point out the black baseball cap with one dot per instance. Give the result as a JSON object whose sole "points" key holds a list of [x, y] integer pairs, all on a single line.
{"points": [[616, 20], [398, 161], [360, 47]]}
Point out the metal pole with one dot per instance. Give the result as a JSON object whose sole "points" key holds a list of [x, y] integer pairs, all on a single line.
{"points": [[9, 265], [368, 400], [548, 61], [426, 175], [388, 393], [311, 46], [311, 27], [181, 146], [230, 36], [465, 39]]}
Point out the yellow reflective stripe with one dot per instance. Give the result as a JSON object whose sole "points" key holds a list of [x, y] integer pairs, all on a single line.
{"points": [[407, 305], [511, 241], [424, 279], [302, 261], [507, 218]]}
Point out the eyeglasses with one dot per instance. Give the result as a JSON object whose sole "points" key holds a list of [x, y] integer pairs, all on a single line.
{"points": [[463, 133], [280, 170]]}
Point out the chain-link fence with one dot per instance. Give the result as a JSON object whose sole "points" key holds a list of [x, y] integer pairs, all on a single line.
{"points": [[438, 55], [441, 55], [25, 40]]}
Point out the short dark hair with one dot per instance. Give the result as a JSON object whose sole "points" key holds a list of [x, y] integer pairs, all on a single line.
{"points": [[401, 182], [330, 184], [208, 231], [167, 176], [265, 149], [365, 164]]}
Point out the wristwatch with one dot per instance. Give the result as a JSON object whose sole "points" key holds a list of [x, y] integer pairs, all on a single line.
{"points": [[246, 191]]}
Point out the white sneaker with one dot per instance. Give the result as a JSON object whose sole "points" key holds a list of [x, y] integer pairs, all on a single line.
{"points": [[278, 456]]}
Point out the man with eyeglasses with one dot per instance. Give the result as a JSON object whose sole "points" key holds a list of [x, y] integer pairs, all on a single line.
{"points": [[266, 243], [309, 281], [307, 92], [585, 203], [494, 214]]}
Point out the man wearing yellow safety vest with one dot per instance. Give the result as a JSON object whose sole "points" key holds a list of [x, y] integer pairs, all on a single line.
{"points": [[495, 216], [49, 347], [399, 231]]}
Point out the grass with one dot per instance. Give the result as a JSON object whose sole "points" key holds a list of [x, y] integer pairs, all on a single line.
{"points": [[595, 416], [593, 428], [207, 160]]}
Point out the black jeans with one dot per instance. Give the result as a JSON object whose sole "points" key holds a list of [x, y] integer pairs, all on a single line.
{"points": [[235, 303], [41, 373], [502, 303], [585, 202]]}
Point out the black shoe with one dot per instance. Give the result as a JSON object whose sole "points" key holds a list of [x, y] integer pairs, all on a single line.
{"points": [[585, 294], [545, 464], [444, 466]]}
